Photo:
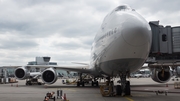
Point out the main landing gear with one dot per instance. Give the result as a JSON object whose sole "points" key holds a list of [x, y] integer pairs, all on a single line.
{"points": [[122, 90], [95, 83], [33, 81], [82, 81]]}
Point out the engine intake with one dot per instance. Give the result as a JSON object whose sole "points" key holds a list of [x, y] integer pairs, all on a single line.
{"points": [[21, 73], [161, 75], [49, 76]]}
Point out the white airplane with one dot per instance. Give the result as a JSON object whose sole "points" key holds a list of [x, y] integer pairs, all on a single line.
{"points": [[120, 47]]}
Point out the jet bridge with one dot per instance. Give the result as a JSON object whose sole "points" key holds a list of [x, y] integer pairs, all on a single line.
{"points": [[165, 44]]}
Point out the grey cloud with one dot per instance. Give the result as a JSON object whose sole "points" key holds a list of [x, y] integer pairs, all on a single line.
{"points": [[79, 19], [68, 46], [88, 41], [70, 57], [167, 12], [156, 5], [46, 19], [22, 57], [17, 44], [100, 5], [78, 32], [72, 45]]}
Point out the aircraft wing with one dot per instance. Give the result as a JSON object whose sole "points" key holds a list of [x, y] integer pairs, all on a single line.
{"points": [[10, 66], [80, 69]]}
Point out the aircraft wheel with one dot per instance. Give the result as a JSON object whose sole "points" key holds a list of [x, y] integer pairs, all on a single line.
{"points": [[118, 90], [30, 83], [127, 89], [78, 84], [54, 98], [97, 83], [92, 84], [83, 83]]}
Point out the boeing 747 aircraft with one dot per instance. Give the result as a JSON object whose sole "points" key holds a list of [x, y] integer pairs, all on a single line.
{"points": [[120, 47]]}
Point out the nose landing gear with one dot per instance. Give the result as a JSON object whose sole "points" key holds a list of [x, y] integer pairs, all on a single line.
{"points": [[124, 89]]}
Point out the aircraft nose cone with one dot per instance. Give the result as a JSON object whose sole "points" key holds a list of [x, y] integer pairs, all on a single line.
{"points": [[136, 32]]}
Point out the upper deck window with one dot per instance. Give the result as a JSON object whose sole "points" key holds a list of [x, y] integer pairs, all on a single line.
{"points": [[122, 8]]}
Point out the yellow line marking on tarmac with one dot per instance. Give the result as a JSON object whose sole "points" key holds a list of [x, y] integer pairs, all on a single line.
{"points": [[69, 89], [129, 99]]}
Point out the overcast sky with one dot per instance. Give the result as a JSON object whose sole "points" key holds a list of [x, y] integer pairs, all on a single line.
{"points": [[65, 29]]}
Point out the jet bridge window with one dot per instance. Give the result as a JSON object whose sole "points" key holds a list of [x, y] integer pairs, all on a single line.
{"points": [[164, 37]]}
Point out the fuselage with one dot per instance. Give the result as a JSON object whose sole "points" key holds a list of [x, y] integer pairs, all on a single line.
{"points": [[122, 43]]}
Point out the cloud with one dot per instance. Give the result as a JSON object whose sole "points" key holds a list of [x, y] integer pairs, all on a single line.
{"points": [[13, 44], [166, 12], [65, 29]]}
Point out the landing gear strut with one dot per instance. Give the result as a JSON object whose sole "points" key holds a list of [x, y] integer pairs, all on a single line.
{"points": [[80, 82], [95, 82], [124, 89], [107, 89], [33, 81]]}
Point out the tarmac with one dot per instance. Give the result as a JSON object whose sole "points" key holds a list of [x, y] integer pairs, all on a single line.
{"points": [[143, 89]]}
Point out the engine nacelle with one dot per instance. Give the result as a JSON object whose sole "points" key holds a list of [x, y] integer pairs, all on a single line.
{"points": [[161, 76], [49, 76], [21, 73]]}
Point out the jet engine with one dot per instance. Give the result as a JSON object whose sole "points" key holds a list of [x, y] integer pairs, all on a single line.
{"points": [[161, 75], [49, 76], [21, 73]]}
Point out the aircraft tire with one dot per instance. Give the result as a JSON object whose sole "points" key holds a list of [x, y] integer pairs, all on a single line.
{"points": [[78, 84], [83, 83], [97, 83], [118, 90], [92, 83], [127, 89]]}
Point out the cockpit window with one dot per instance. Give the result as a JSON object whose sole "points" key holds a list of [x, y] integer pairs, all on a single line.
{"points": [[122, 8]]}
